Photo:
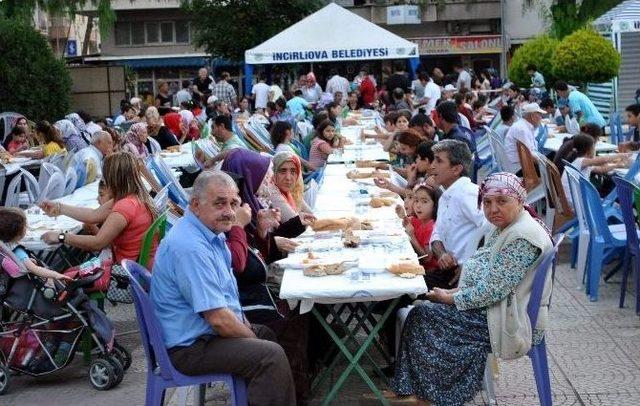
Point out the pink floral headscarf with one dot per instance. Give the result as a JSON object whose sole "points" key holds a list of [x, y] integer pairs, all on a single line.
{"points": [[133, 137]]}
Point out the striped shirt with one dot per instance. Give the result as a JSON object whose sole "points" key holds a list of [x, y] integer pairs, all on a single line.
{"points": [[317, 158]]}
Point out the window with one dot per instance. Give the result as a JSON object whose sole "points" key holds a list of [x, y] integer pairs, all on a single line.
{"points": [[166, 31], [152, 33], [123, 33], [182, 31], [137, 33]]}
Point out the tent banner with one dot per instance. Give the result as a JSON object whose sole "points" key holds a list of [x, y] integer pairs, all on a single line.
{"points": [[336, 54], [626, 25], [472, 44]]}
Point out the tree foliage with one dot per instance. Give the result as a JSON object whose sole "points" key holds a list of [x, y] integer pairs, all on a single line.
{"points": [[567, 16], [585, 56], [227, 28], [537, 51], [22, 10], [34, 82]]}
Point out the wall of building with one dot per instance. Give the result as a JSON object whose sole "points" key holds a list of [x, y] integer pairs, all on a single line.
{"points": [[522, 23], [138, 18]]}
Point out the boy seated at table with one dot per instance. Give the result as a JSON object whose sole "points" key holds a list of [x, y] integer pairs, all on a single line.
{"points": [[13, 228]]}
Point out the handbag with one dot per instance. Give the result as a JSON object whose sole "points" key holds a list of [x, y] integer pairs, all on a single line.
{"points": [[119, 286]]}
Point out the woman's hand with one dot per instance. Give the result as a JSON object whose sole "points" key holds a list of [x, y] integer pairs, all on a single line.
{"points": [[243, 215], [268, 219], [412, 172], [51, 209], [50, 237], [307, 218], [62, 277], [285, 244], [383, 183], [438, 295], [447, 261], [90, 229]]}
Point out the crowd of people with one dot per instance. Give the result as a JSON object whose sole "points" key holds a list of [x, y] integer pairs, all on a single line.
{"points": [[208, 287]]}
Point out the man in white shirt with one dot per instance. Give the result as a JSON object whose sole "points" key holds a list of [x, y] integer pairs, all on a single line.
{"points": [[183, 95], [260, 92], [459, 221], [507, 116], [432, 94], [464, 78], [337, 84], [524, 130], [101, 146]]}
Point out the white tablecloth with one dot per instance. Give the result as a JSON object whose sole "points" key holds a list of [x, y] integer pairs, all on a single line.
{"points": [[554, 144], [368, 281], [183, 159], [14, 167], [357, 150], [38, 223]]}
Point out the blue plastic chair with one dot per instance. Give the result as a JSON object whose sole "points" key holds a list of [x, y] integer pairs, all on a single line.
{"points": [[626, 192], [610, 199], [541, 138], [160, 372], [605, 241], [538, 353], [482, 157], [304, 151], [615, 124]]}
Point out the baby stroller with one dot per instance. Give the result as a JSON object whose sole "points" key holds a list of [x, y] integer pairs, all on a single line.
{"points": [[42, 327]]}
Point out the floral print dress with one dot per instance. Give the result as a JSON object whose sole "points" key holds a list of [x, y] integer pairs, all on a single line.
{"points": [[444, 348]]}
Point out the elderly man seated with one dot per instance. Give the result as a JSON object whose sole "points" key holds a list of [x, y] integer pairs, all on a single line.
{"points": [[101, 146], [195, 297]]}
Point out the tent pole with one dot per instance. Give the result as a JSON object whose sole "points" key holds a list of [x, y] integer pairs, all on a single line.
{"points": [[248, 78]]}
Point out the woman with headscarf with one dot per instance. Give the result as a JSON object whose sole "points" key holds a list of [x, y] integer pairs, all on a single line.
{"points": [[253, 247], [136, 141], [287, 189], [312, 92], [446, 340], [71, 135]]}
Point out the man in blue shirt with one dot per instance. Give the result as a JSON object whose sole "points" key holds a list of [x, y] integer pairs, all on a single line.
{"points": [[195, 297], [581, 106], [297, 105]]}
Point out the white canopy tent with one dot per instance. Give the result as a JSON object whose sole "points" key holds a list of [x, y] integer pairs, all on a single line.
{"points": [[330, 34], [621, 25]]}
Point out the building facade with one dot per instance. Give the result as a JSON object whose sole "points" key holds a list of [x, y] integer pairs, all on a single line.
{"points": [[67, 36], [153, 38], [455, 31]]}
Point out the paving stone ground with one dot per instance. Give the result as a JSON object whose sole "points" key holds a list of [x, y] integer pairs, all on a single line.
{"points": [[593, 348]]}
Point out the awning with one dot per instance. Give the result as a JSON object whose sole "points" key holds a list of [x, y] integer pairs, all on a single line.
{"points": [[162, 61], [332, 33], [625, 17]]}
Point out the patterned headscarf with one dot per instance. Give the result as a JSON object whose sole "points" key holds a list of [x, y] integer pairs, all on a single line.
{"points": [[133, 137], [296, 196], [70, 135], [508, 184], [502, 184]]}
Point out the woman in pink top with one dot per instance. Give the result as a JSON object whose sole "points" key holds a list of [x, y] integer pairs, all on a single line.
{"points": [[124, 219], [322, 144]]}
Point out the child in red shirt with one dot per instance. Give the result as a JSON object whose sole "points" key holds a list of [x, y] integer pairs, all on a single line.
{"points": [[419, 228]]}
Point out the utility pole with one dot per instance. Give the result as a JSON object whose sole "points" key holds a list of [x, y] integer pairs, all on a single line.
{"points": [[503, 39]]}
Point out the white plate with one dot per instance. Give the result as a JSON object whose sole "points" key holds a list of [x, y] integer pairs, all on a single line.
{"points": [[168, 154]]}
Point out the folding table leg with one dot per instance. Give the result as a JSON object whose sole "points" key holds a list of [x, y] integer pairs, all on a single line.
{"points": [[354, 359]]}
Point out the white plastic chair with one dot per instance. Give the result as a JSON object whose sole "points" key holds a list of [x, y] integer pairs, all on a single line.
{"points": [[311, 194], [546, 181], [161, 200], [57, 159], [71, 180], [155, 146], [499, 153], [47, 169], [54, 189], [573, 176], [16, 196]]}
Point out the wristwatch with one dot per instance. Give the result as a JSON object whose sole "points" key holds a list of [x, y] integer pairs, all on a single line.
{"points": [[61, 237]]}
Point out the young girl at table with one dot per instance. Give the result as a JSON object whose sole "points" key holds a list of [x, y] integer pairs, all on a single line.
{"points": [[19, 140], [583, 158], [419, 228], [323, 144], [13, 228]]}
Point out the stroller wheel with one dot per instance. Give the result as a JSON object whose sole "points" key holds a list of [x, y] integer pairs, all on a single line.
{"points": [[124, 356], [102, 374], [117, 367], [4, 379]]}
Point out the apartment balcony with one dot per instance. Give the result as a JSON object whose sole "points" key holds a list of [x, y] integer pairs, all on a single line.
{"points": [[128, 5]]}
